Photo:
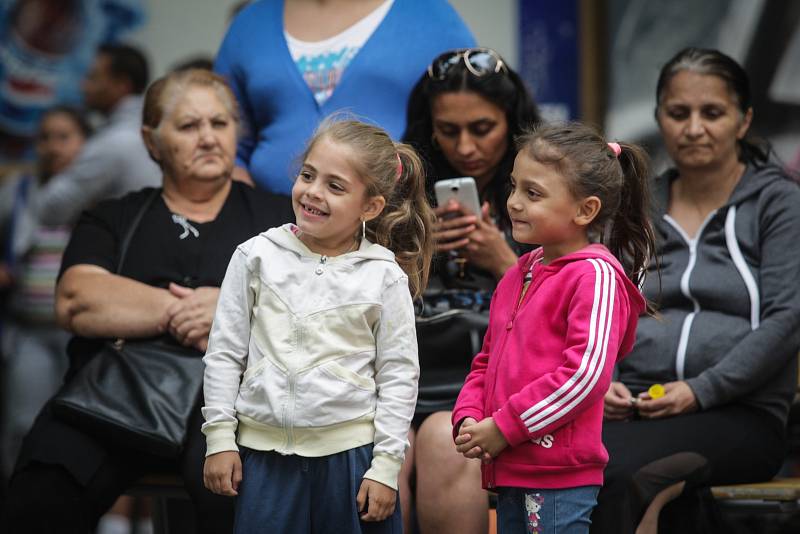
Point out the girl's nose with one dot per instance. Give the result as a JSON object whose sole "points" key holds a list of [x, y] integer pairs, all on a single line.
{"points": [[314, 189]]}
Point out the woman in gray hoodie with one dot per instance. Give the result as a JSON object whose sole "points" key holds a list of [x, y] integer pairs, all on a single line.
{"points": [[722, 355]]}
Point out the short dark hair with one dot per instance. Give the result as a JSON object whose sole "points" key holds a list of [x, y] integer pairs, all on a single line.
{"points": [[195, 62], [505, 89], [129, 63], [77, 115]]}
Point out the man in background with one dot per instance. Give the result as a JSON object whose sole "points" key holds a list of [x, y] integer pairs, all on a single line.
{"points": [[114, 161]]}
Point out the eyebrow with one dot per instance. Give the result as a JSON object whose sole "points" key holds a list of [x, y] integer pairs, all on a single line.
{"points": [[190, 115], [527, 182], [476, 121], [329, 175], [673, 103]]}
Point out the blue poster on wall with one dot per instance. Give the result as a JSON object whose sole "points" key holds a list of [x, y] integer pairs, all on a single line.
{"points": [[549, 59]]}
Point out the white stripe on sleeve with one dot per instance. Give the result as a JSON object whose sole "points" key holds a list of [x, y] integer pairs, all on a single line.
{"points": [[575, 389]]}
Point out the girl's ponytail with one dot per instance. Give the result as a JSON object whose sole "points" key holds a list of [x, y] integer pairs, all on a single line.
{"points": [[617, 174], [405, 226], [395, 172], [631, 237]]}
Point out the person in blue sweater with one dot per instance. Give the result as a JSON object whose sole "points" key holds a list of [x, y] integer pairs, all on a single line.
{"points": [[291, 63]]}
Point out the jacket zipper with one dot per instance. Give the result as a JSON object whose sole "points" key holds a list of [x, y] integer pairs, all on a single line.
{"points": [[521, 297], [292, 378], [321, 267], [290, 416], [509, 325], [686, 327]]}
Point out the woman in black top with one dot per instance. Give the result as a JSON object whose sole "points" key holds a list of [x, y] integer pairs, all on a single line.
{"points": [[463, 116], [66, 478]]}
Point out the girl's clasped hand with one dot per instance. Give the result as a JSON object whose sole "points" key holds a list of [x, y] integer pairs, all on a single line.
{"points": [[480, 440]]}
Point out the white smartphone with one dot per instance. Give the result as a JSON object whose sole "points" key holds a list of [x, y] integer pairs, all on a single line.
{"points": [[463, 190]]}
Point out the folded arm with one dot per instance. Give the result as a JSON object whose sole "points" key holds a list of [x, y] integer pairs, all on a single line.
{"points": [[93, 302]]}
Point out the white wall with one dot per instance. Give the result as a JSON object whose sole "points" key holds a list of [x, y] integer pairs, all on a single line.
{"points": [[495, 24], [178, 29]]}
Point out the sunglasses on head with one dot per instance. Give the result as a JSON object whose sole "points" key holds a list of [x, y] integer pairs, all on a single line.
{"points": [[479, 61]]}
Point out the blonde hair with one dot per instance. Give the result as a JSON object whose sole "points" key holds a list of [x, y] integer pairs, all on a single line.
{"points": [[161, 96], [396, 172]]}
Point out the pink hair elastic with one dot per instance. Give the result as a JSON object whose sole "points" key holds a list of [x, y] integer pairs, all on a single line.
{"points": [[399, 168], [615, 148]]}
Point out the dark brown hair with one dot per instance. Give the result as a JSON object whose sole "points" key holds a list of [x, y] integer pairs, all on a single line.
{"points": [[714, 63], [504, 89], [583, 156], [405, 224]]}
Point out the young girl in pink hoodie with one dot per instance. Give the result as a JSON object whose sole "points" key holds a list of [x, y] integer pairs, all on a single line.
{"points": [[532, 405]]}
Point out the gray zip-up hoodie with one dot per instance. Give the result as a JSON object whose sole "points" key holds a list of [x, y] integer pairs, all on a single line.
{"points": [[729, 301]]}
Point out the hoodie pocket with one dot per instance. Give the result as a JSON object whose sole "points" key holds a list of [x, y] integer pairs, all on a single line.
{"points": [[263, 393], [332, 394], [251, 374], [343, 373]]}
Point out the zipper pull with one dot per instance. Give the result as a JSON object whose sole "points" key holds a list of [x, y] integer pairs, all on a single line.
{"points": [[319, 269]]}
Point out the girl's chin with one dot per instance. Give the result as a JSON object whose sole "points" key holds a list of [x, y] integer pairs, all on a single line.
{"points": [[521, 236]]}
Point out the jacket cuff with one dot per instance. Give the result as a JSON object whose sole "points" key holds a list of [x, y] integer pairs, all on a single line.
{"points": [[703, 391], [385, 469], [511, 426], [458, 417], [220, 437]]}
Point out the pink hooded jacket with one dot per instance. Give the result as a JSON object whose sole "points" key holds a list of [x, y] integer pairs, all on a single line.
{"points": [[546, 365]]}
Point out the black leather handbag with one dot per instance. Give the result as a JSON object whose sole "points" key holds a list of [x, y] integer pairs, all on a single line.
{"points": [[138, 392], [450, 329]]}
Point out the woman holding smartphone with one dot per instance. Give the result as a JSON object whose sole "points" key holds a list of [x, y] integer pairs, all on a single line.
{"points": [[463, 116]]}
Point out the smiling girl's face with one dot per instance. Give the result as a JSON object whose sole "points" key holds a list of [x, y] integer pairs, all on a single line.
{"points": [[330, 199]]}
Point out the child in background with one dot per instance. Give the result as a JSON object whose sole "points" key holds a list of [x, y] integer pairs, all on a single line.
{"points": [[33, 346], [312, 358], [532, 405]]}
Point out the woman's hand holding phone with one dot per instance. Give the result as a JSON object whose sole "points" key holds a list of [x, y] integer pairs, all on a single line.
{"points": [[487, 247], [453, 226], [480, 241]]}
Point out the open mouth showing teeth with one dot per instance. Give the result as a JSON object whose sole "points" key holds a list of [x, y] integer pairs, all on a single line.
{"points": [[313, 211]]}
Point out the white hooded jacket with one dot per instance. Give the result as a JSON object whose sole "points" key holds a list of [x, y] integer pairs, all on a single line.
{"points": [[312, 355]]}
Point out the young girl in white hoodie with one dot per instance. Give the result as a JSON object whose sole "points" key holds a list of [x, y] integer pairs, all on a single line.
{"points": [[311, 369]]}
